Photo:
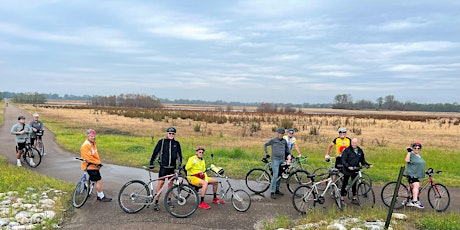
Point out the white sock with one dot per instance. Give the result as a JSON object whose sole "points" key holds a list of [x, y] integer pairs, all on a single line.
{"points": [[100, 194], [31, 161]]}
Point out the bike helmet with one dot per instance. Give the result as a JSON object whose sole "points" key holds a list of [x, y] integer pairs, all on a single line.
{"points": [[171, 130], [199, 148], [281, 130], [21, 117], [417, 144], [342, 130], [90, 132], [35, 115], [291, 130]]}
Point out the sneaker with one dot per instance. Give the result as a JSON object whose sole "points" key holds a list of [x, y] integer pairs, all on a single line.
{"points": [[217, 201], [43, 154], [104, 199], [278, 192], [273, 196], [19, 164], [156, 207], [417, 204], [410, 204], [32, 164], [170, 204], [203, 205]]}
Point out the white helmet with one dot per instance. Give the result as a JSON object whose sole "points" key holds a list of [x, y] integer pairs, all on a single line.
{"points": [[342, 130], [35, 115]]}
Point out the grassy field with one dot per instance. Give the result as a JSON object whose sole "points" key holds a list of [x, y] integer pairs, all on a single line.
{"points": [[130, 140]]}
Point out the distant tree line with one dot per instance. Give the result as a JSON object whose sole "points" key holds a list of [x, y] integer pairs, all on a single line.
{"points": [[29, 98], [127, 100], [345, 101], [233, 103], [51, 96]]}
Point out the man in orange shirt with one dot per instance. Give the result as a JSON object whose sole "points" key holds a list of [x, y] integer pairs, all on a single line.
{"points": [[89, 152]]}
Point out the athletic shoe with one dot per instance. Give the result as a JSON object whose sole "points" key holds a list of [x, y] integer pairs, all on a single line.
{"points": [[43, 154], [278, 192], [273, 196], [217, 201], [32, 164], [170, 204], [203, 205], [417, 204], [104, 199], [155, 207], [19, 164]]}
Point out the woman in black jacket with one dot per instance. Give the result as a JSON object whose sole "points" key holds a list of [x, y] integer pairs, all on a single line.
{"points": [[352, 157]]}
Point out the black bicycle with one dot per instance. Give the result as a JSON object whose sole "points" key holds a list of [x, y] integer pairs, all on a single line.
{"points": [[31, 155]]}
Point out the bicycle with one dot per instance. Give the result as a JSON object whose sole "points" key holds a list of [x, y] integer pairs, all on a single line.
{"points": [[438, 195], [258, 180], [39, 142], [84, 187], [135, 195], [306, 197], [364, 192], [297, 163], [240, 199], [31, 155]]}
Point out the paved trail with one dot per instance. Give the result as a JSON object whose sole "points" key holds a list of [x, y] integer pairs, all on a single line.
{"points": [[60, 164]]}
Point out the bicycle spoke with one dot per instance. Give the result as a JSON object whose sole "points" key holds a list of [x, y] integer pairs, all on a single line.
{"points": [[80, 194], [258, 180], [241, 200], [184, 200], [439, 197], [134, 196], [303, 199], [402, 196]]}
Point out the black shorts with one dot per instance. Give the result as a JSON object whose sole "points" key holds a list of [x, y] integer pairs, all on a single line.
{"points": [[338, 163], [412, 180], [20, 146], [94, 175], [165, 171]]}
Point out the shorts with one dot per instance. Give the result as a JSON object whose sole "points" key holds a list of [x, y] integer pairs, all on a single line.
{"points": [[338, 162], [20, 146], [412, 180], [165, 171], [94, 175], [195, 180]]}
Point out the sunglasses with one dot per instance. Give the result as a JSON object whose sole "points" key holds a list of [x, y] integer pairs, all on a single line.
{"points": [[417, 148], [342, 132], [200, 152], [171, 133]]}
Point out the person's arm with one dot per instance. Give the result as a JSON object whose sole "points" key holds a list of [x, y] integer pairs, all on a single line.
{"points": [[408, 157], [179, 155], [328, 151], [267, 144], [297, 149], [345, 157], [155, 152]]}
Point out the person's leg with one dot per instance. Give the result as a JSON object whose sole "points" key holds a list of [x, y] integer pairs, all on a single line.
{"points": [[353, 187], [343, 191], [275, 169], [415, 190]]}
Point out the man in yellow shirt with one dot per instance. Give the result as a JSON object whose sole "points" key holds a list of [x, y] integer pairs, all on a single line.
{"points": [[196, 175], [89, 152]]}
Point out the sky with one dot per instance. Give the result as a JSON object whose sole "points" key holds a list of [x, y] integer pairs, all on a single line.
{"points": [[305, 51]]}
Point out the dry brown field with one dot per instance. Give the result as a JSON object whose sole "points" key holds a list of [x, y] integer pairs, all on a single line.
{"points": [[373, 128]]}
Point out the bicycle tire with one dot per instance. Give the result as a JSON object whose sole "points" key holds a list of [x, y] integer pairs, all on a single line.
{"points": [[402, 197], [365, 195], [31, 153], [337, 197], [439, 197], [321, 174], [134, 196], [304, 199], [80, 193], [40, 146], [184, 200], [258, 180], [296, 179], [366, 178], [241, 200]]}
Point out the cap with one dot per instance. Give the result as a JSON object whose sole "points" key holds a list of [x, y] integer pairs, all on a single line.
{"points": [[199, 148], [281, 130], [21, 117]]}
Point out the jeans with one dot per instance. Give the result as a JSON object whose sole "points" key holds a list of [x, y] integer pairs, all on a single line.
{"points": [[275, 185]]}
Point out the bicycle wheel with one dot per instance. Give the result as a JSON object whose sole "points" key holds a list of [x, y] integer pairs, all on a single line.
{"points": [[320, 174], [297, 179], [337, 197], [81, 193], [134, 196], [366, 178], [39, 145], [258, 180], [241, 200], [304, 199], [366, 195], [32, 157], [402, 197], [439, 197], [184, 200]]}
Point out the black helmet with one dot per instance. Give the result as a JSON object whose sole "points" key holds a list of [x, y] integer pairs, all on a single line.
{"points": [[417, 144], [21, 117], [281, 130], [171, 130]]}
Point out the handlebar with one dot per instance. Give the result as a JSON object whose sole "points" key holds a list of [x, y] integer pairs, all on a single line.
{"points": [[89, 163]]}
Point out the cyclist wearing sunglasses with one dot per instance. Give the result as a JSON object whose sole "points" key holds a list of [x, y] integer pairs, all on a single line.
{"points": [[169, 157], [415, 169]]}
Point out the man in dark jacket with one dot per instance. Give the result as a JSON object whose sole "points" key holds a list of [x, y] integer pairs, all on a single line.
{"points": [[169, 153], [352, 157]]}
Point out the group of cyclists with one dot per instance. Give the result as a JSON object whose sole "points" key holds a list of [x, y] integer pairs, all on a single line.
{"points": [[24, 132]]}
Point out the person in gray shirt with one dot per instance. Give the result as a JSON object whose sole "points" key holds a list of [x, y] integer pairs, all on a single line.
{"points": [[21, 130], [280, 152]]}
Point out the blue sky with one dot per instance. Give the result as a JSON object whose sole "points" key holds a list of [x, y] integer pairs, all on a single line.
{"points": [[247, 51]]}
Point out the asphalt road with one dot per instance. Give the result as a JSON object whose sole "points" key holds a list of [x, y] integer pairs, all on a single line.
{"points": [[60, 164]]}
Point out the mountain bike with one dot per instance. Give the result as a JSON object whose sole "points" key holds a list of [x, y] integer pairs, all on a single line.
{"points": [[364, 192], [258, 180], [84, 187], [39, 142], [297, 163], [438, 195], [181, 200], [31, 155], [306, 197]]}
